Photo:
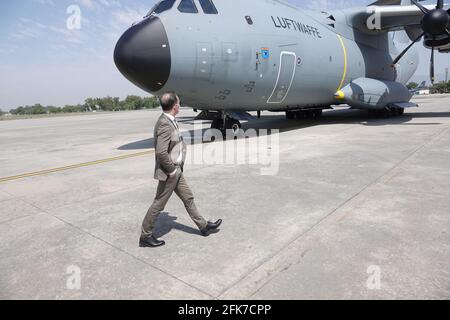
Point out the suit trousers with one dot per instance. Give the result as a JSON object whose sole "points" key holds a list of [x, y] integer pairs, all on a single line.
{"points": [[164, 192]]}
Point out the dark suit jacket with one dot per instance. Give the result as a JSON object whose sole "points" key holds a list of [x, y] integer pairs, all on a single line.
{"points": [[168, 144]]}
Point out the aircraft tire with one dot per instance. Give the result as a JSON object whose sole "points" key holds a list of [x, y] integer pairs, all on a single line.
{"points": [[387, 113], [231, 124], [318, 113], [290, 115], [217, 124], [399, 112], [234, 125], [300, 115]]}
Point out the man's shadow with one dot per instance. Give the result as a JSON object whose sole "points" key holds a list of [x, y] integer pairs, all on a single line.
{"points": [[166, 223]]}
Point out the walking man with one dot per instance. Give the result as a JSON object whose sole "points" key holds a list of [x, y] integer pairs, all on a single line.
{"points": [[170, 158]]}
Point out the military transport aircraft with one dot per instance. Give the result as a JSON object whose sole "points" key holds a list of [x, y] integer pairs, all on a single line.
{"points": [[226, 56]]}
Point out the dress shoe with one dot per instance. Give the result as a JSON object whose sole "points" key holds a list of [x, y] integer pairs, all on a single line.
{"points": [[212, 226], [151, 242]]}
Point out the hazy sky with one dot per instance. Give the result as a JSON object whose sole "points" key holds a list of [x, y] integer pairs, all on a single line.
{"points": [[42, 61]]}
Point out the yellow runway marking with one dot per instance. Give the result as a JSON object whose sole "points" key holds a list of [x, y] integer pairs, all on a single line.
{"points": [[345, 63], [75, 166]]}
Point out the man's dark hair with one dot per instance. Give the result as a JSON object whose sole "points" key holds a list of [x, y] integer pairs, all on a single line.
{"points": [[168, 100]]}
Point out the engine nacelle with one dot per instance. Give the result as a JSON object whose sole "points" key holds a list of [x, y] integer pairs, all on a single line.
{"points": [[442, 43], [366, 93], [445, 49]]}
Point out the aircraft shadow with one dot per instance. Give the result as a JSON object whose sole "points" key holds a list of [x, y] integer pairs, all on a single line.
{"points": [[280, 123]]}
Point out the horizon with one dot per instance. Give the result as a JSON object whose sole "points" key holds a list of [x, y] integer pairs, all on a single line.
{"points": [[58, 66]]}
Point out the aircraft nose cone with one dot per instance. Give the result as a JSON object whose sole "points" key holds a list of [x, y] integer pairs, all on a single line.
{"points": [[142, 55]]}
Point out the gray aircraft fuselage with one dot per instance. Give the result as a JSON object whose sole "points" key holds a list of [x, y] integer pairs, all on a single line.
{"points": [[278, 58]]}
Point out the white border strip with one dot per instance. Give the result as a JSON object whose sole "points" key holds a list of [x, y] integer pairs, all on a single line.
{"points": [[279, 74]]}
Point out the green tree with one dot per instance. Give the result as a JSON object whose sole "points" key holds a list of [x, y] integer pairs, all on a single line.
{"points": [[37, 109], [133, 103], [17, 111], [106, 104], [147, 103], [116, 104], [447, 87], [441, 87], [91, 104], [150, 102], [412, 85], [68, 109], [52, 109], [73, 109]]}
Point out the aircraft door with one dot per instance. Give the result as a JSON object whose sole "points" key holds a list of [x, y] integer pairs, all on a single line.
{"points": [[286, 74]]}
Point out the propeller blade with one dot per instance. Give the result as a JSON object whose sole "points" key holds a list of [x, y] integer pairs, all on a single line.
{"points": [[432, 66], [440, 4], [407, 49], [447, 31], [420, 6]]}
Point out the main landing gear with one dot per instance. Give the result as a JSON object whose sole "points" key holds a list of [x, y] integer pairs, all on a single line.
{"points": [[225, 122], [304, 114], [387, 112]]}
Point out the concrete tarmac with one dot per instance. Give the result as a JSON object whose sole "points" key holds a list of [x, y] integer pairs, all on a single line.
{"points": [[359, 209]]}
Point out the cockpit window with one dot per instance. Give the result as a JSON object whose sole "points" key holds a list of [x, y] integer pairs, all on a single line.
{"points": [[208, 7], [187, 6], [162, 6]]}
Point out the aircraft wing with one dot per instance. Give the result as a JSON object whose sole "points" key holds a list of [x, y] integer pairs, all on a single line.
{"points": [[386, 2]]}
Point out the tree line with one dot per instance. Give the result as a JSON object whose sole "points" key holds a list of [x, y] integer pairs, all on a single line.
{"points": [[441, 87], [138, 103], [91, 105]]}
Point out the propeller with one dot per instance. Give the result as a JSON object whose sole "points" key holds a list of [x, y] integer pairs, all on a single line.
{"points": [[407, 49], [434, 23], [432, 65], [421, 7]]}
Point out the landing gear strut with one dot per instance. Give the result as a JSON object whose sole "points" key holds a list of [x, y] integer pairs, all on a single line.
{"points": [[225, 122]]}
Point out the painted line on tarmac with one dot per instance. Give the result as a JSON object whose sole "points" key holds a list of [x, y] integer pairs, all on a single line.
{"points": [[75, 166]]}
